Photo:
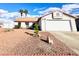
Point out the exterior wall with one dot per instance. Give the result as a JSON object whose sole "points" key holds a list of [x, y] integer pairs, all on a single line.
{"points": [[16, 23], [30, 24], [43, 25], [47, 16], [73, 24], [39, 23], [62, 17], [57, 14], [23, 25], [65, 17]]}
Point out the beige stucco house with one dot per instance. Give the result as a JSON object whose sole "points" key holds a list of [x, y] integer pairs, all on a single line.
{"points": [[54, 21], [57, 21], [26, 22]]}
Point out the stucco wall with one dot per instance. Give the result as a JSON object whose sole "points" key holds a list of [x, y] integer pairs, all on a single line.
{"points": [[43, 25], [23, 25], [62, 17], [65, 17], [47, 16], [73, 24]]}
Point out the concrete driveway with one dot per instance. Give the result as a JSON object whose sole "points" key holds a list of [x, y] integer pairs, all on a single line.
{"points": [[71, 39]]}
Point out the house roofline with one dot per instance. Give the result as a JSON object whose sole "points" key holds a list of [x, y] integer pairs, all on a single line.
{"points": [[59, 11], [24, 21]]}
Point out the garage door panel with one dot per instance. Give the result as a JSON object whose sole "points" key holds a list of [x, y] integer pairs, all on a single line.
{"points": [[57, 26]]}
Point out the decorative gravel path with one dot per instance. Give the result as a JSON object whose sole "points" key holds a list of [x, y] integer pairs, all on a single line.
{"points": [[20, 42]]}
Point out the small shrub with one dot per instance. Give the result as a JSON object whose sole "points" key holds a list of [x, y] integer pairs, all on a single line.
{"points": [[36, 29]]}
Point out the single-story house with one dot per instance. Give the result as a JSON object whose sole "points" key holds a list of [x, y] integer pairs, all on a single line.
{"points": [[26, 22], [57, 21]]}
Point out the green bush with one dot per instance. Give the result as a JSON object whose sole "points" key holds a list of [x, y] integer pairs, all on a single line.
{"points": [[36, 29]]}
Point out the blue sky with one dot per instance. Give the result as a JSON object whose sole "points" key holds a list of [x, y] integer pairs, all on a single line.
{"points": [[11, 10], [14, 7], [29, 6]]}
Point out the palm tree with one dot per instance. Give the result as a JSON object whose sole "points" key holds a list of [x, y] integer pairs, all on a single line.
{"points": [[23, 11], [26, 12]]}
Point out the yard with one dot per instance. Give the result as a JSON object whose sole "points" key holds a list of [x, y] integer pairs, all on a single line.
{"points": [[20, 42]]}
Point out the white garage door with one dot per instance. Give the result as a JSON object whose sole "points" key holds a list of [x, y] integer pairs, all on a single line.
{"points": [[57, 26]]}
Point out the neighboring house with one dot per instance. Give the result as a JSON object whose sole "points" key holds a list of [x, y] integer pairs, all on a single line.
{"points": [[26, 22], [1, 25], [57, 21]]}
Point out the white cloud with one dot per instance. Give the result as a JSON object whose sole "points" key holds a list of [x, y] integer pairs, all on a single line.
{"points": [[75, 15], [7, 23], [38, 9], [3, 11], [10, 15], [69, 7], [48, 10], [7, 18], [35, 9]]}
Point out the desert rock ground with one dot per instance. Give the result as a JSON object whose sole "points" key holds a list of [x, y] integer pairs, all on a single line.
{"points": [[20, 42]]}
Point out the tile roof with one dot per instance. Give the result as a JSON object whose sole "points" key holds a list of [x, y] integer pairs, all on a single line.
{"points": [[27, 19]]}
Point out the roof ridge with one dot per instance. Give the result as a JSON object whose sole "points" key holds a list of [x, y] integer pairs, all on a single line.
{"points": [[59, 11]]}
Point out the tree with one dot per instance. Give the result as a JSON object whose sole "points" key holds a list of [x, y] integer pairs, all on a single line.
{"points": [[23, 11]]}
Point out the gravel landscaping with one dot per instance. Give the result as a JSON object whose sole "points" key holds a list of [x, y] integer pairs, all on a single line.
{"points": [[18, 42]]}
